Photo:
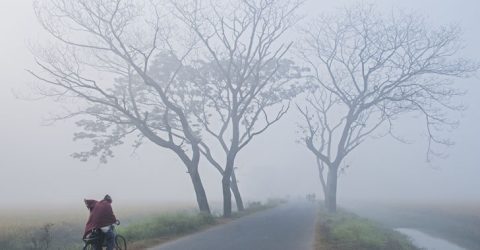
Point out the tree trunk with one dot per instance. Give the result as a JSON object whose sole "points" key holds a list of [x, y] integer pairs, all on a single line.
{"points": [[199, 191], [331, 194], [227, 196], [236, 193], [229, 171], [321, 168]]}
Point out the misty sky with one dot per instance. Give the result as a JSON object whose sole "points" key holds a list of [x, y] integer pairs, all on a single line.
{"points": [[36, 167]]}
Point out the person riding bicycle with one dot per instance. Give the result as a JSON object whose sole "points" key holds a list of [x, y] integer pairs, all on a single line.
{"points": [[101, 217]]}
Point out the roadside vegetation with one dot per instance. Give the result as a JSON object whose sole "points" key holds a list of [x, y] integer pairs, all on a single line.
{"points": [[459, 224], [347, 231], [160, 228], [142, 229]]}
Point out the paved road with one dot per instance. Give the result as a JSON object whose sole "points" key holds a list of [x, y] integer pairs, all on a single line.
{"points": [[287, 227]]}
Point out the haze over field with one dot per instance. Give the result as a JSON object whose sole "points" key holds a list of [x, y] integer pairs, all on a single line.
{"points": [[36, 167]]}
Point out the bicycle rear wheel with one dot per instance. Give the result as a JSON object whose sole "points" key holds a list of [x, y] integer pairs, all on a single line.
{"points": [[89, 246], [120, 242]]}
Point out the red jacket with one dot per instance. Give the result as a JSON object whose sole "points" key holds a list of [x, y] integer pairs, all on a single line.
{"points": [[101, 215]]}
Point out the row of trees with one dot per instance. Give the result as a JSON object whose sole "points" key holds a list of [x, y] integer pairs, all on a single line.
{"points": [[204, 79]]}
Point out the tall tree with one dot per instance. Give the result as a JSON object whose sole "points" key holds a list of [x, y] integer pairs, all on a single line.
{"points": [[244, 71], [101, 61], [368, 69]]}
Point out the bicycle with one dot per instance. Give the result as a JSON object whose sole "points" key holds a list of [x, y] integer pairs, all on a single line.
{"points": [[92, 239]]}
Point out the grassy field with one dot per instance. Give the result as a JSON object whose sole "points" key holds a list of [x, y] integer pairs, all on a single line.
{"points": [[62, 227], [347, 231], [457, 223], [142, 226]]}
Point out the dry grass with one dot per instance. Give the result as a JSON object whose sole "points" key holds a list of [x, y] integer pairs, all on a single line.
{"points": [[15, 219]]}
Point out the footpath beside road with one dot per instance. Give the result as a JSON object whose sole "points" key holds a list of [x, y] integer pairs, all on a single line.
{"points": [[288, 227]]}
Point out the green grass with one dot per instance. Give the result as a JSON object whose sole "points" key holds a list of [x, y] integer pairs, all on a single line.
{"points": [[346, 231]]}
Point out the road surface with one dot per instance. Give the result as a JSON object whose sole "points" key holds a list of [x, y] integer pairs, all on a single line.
{"points": [[287, 227]]}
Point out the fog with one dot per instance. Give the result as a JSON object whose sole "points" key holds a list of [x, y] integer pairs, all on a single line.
{"points": [[36, 167]]}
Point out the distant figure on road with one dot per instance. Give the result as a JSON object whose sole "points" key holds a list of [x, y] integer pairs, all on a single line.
{"points": [[101, 217], [311, 197]]}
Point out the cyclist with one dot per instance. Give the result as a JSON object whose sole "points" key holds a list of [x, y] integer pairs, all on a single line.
{"points": [[101, 217]]}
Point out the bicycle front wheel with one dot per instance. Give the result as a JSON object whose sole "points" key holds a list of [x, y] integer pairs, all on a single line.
{"points": [[120, 242]]}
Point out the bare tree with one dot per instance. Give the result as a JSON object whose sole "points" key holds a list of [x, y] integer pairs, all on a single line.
{"points": [[247, 82], [102, 63], [367, 70]]}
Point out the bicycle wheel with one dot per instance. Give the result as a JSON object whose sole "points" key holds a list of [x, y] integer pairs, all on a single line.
{"points": [[89, 246], [120, 242]]}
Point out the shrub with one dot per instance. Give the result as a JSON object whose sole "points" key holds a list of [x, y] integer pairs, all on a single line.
{"points": [[347, 231], [166, 225]]}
